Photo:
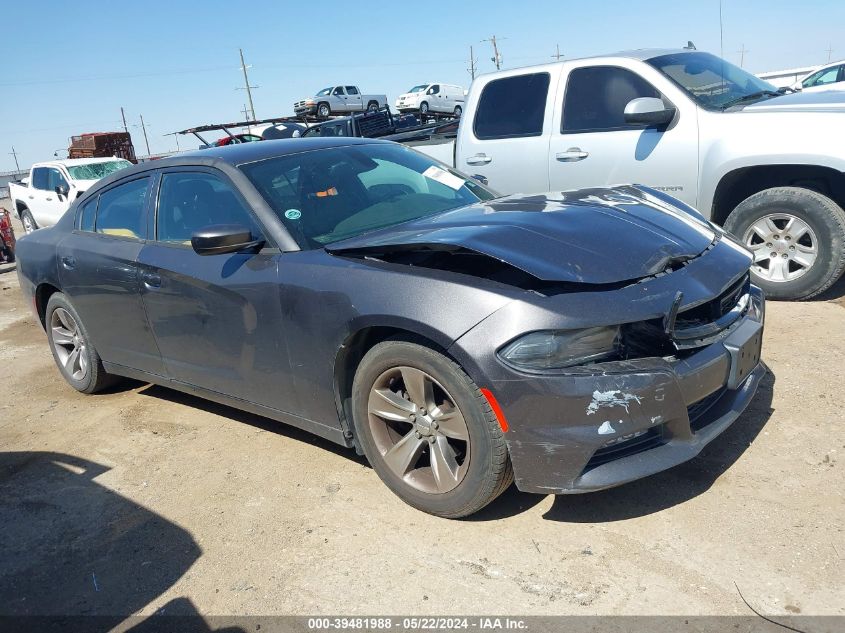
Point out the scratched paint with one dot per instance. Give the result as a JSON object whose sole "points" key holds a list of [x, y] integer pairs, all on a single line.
{"points": [[608, 399], [606, 428]]}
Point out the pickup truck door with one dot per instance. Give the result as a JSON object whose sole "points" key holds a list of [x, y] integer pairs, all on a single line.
{"points": [[42, 200], [340, 102], [592, 145], [354, 99], [504, 136]]}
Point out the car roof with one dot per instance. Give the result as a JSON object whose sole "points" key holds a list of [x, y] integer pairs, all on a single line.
{"points": [[251, 152]]}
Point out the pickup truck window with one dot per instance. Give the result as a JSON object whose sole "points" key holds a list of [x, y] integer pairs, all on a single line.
{"points": [[338, 91], [512, 107], [55, 179], [711, 81], [325, 91], [39, 178], [351, 90], [121, 210], [596, 97]]}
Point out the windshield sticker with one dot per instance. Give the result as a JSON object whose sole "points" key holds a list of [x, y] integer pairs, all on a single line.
{"points": [[293, 214], [444, 177], [331, 191]]}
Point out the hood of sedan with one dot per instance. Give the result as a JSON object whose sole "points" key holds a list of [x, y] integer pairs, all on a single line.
{"points": [[833, 101], [589, 236]]}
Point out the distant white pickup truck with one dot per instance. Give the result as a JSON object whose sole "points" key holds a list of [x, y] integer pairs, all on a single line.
{"points": [[338, 100], [769, 167], [52, 186]]}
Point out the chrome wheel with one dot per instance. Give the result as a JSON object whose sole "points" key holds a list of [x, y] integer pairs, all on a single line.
{"points": [[419, 431], [28, 222], [69, 344], [323, 110], [784, 247]]}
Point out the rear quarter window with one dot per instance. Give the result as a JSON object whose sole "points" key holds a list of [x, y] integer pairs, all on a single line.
{"points": [[512, 107]]}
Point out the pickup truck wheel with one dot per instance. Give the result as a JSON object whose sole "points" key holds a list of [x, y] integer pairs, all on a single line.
{"points": [[428, 431], [424, 107], [797, 237], [324, 110], [458, 112], [28, 221], [372, 106], [75, 356]]}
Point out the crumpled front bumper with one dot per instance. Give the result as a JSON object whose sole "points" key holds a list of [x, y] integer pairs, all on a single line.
{"points": [[601, 426]]}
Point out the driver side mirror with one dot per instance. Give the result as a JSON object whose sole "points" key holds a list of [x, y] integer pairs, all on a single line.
{"points": [[649, 111], [62, 190], [219, 239]]}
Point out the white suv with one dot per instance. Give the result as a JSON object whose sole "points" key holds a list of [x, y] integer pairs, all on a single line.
{"points": [[439, 98]]}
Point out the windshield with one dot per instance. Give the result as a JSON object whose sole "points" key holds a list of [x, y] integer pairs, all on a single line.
{"points": [[95, 171], [710, 80], [325, 91], [323, 196], [419, 88]]}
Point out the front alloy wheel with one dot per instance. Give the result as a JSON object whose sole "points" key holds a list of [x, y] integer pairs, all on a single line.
{"points": [[418, 430], [784, 246], [427, 430]]}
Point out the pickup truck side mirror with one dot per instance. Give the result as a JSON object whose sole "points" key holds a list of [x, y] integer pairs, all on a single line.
{"points": [[219, 239], [648, 111], [62, 190]]}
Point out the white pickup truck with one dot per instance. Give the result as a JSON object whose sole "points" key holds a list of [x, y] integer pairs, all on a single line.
{"points": [[338, 100], [52, 186], [769, 167]]}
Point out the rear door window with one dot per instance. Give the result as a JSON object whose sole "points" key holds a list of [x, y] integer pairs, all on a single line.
{"points": [[122, 210], [596, 97], [88, 214], [512, 107], [351, 90]]}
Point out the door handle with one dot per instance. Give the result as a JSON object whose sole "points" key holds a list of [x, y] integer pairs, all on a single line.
{"points": [[49, 199], [573, 154], [31, 197], [151, 280], [69, 262], [479, 159]]}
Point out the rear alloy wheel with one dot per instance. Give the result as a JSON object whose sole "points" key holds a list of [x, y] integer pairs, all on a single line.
{"points": [[797, 238], [75, 357], [428, 431], [28, 222]]}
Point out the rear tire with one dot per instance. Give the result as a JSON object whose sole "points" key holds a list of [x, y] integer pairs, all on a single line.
{"points": [[450, 470], [29, 224], [372, 106], [75, 356], [797, 237]]}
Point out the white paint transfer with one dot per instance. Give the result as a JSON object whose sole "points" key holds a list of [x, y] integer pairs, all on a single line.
{"points": [[613, 398]]}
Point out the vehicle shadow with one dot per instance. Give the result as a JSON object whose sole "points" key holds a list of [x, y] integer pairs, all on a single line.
{"points": [[676, 485], [244, 417], [72, 547]]}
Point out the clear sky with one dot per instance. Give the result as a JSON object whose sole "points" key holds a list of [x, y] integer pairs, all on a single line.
{"points": [[68, 67]]}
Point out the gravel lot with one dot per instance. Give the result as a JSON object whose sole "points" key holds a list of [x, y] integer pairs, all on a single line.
{"points": [[123, 502]]}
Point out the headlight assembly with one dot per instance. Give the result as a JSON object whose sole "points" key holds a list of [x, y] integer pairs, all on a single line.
{"points": [[556, 349]]}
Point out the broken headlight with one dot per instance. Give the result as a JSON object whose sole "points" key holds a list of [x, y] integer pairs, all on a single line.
{"points": [[556, 349]]}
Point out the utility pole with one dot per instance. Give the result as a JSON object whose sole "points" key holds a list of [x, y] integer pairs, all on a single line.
{"points": [[15, 154], [497, 56], [144, 128], [472, 60], [123, 116], [247, 87], [829, 53], [557, 54], [742, 51]]}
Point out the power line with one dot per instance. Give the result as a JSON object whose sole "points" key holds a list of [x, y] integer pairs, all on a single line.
{"points": [[497, 56], [247, 87]]}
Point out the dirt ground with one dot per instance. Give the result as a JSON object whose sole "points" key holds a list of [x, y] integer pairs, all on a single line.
{"points": [[143, 498]]}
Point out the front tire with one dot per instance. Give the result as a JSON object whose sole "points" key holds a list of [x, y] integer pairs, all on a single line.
{"points": [[323, 110], [797, 237], [28, 221], [458, 112], [75, 356], [424, 107], [428, 431]]}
